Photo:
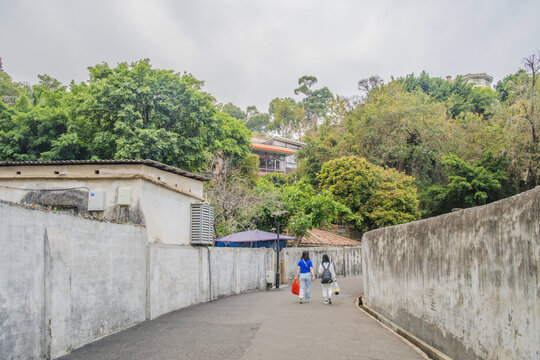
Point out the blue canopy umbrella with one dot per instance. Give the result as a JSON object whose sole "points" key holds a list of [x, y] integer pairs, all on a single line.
{"points": [[253, 238]]}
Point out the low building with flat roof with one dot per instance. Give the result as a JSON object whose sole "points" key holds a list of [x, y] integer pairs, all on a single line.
{"points": [[146, 192]]}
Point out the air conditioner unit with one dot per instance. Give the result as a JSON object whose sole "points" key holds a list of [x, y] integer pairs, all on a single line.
{"points": [[202, 224]]}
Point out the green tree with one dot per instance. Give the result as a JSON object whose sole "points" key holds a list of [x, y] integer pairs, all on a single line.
{"points": [[468, 185], [509, 87], [9, 91], [315, 101], [318, 150], [458, 95], [232, 137], [288, 117], [135, 111], [233, 111], [306, 208], [377, 196], [399, 129], [230, 192], [31, 126], [256, 121], [521, 120]]}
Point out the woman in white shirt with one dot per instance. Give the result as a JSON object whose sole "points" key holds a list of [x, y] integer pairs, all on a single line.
{"points": [[326, 269]]}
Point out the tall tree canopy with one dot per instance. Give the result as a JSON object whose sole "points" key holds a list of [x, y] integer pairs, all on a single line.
{"points": [[378, 196], [129, 111], [315, 101]]}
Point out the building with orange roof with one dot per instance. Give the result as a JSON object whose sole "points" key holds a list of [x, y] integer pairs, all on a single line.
{"points": [[318, 237], [276, 154]]}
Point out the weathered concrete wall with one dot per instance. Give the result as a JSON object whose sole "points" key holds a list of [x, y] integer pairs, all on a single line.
{"points": [[167, 214], [346, 260], [236, 270], [66, 281], [466, 282], [179, 277], [159, 199], [22, 290]]}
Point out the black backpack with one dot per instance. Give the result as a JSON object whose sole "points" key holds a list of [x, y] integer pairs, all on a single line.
{"points": [[326, 275]]}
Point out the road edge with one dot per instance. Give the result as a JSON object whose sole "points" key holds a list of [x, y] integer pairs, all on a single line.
{"points": [[425, 350]]}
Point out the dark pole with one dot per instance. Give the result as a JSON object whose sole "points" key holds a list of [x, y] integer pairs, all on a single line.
{"points": [[276, 216], [277, 254]]}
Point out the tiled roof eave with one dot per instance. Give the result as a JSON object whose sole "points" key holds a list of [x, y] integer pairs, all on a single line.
{"points": [[272, 148]]}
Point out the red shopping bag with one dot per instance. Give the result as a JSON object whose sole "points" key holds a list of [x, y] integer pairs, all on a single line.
{"points": [[295, 288]]}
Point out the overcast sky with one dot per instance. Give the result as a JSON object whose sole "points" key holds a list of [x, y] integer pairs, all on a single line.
{"points": [[249, 52]]}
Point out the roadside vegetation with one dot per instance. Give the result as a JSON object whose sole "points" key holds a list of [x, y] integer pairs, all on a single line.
{"points": [[417, 146]]}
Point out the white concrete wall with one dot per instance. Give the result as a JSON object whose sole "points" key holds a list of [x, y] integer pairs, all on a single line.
{"points": [[236, 270], [177, 278], [346, 260], [22, 291], [178, 275], [467, 283], [167, 214], [66, 281], [160, 200]]}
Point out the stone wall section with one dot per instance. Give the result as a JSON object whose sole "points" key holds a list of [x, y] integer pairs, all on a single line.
{"points": [[66, 281], [466, 282]]}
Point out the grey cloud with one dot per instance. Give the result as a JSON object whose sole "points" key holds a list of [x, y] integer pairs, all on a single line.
{"points": [[249, 52]]}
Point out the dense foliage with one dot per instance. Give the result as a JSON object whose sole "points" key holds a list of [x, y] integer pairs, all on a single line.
{"points": [[433, 130], [468, 185], [418, 145], [378, 196], [130, 111], [306, 208]]}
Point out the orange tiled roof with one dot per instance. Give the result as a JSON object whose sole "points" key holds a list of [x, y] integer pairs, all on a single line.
{"points": [[272, 148], [324, 238]]}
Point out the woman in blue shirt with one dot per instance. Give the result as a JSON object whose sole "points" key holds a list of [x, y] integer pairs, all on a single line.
{"points": [[304, 274]]}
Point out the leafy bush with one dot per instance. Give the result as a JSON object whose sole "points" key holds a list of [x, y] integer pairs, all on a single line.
{"points": [[376, 195]]}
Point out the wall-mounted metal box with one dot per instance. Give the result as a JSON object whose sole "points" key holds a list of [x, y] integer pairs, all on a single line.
{"points": [[202, 224], [124, 196], [96, 201], [270, 277]]}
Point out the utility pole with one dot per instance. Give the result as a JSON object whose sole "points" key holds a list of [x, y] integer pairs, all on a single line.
{"points": [[276, 216]]}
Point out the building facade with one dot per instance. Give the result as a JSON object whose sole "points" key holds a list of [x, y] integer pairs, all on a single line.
{"points": [[145, 192], [478, 80], [276, 154]]}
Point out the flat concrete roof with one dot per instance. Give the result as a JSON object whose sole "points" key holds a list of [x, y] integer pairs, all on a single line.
{"points": [[148, 162]]}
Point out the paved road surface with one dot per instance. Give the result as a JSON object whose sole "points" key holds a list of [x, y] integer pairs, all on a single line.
{"points": [[258, 325]]}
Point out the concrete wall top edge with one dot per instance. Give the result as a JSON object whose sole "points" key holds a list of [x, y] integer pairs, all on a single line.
{"points": [[55, 213], [468, 212]]}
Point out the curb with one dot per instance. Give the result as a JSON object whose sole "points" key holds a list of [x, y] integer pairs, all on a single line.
{"points": [[427, 351]]}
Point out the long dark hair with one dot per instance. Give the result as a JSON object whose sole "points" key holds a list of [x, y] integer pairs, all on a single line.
{"points": [[325, 258], [305, 255]]}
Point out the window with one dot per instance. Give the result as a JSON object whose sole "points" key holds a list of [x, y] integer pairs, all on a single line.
{"points": [[291, 146], [271, 162]]}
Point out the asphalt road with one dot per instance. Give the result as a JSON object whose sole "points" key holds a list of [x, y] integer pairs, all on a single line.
{"points": [[258, 325]]}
